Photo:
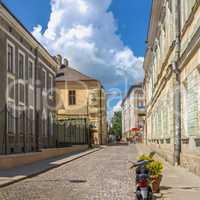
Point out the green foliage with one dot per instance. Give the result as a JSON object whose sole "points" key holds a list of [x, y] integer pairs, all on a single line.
{"points": [[155, 167], [116, 128], [145, 157]]}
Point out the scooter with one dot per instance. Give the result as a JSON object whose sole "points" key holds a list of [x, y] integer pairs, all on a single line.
{"points": [[143, 182]]}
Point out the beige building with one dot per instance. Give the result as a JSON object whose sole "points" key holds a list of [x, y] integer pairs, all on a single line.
{"points": [[172, 81], [133, 112], [82, 97]]}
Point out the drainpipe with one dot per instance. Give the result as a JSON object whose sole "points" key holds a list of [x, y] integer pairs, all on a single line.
{"points": [[177, 86], [101, 117], [35, 95]]}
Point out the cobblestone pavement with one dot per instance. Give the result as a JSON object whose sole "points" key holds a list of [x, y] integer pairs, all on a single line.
{"points": [[103, 175]]}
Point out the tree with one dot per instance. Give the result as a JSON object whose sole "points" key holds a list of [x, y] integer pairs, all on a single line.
{"points": [[116, 128]]}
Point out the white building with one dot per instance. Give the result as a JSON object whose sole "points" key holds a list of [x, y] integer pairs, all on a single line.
{"points": [[133, 112]]}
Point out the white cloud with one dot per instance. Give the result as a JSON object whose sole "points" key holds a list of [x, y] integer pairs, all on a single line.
{"points": [[84, 31]]}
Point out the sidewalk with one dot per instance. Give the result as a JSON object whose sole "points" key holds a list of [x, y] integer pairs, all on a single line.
{"points": [[178, 183], [11, 176]]}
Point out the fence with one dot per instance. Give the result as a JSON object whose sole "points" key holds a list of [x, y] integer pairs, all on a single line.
{"points": [[72, 131], [17, 130], [22, 130]]}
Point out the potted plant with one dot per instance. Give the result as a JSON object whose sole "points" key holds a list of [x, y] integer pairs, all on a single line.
{"points": [[155, 169]]}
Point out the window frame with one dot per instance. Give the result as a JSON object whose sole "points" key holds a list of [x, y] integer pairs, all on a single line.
{"points": [[44, 90], [14, 121], [72, 97], [9, 43], [22, 103], [31, 82], [9, 76], [51, 86], [24, 63]]}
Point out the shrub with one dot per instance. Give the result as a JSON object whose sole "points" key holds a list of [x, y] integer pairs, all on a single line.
{"points": [[155, 167]]}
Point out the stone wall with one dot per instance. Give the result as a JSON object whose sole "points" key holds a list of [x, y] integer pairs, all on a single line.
{"points": [[189, 160], [14, 160]]}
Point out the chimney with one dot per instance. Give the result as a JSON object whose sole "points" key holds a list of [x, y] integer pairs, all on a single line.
{"points": [[66, 62], [59, 59]]}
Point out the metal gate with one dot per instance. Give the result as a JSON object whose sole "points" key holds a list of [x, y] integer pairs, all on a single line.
{"points": [[72, 132]]}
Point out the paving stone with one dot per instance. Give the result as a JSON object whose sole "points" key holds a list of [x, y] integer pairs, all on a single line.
{"points": [[103, 175]]}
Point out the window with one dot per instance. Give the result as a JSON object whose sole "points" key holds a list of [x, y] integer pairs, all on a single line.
{"points": [[10, 118], [50, 85], [44, 79], [10, 58], [191, 104], [11, 88], [21, 68], [30, 72], [31, 97], [21, 88], [31, 121], [72, 97]]}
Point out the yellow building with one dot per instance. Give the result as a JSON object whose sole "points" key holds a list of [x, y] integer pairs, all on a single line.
{"points": [[172, 81], [82, 97]]}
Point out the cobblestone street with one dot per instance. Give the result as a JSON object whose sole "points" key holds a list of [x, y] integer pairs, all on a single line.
{"points": [[103, 175]]}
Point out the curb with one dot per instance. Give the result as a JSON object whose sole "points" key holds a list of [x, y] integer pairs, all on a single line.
{"points": [[50, 168]]}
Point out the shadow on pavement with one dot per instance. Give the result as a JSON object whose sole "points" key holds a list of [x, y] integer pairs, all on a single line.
{"points": [[36, 167]]}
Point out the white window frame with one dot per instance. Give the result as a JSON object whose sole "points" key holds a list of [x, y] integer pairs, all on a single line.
{"points": [[31, 89], [45, 82], [20, 102], [8, 42], [24, 56], [51, 86], [9, 76], [32, 83], [14, 124]]}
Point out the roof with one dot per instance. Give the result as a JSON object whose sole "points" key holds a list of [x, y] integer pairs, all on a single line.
{"points": [[139, 85], [70, 74]]}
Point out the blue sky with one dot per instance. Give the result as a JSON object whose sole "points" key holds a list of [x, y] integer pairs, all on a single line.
{"points": [[111, 33]]}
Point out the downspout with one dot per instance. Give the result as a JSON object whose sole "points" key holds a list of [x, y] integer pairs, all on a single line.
{"points": [[101, 116], [145, 122], [177, 85], [35, 101]]}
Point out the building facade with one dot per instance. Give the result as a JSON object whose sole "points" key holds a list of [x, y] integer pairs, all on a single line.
{"points": [[133, 113], [172, 81], [27, 97], [82, 97]]}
